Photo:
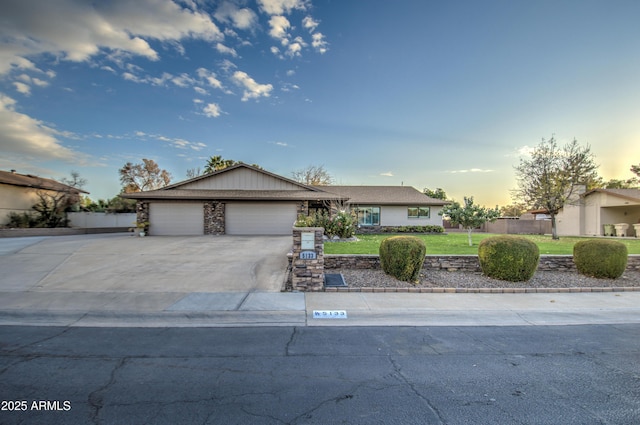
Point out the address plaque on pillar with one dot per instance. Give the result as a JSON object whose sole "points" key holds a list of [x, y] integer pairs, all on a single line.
{"points": [[308, 255]]}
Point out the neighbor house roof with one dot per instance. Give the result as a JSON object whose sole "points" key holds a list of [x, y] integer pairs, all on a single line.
{"points": [[383, 195], [631, 194], [28, 180]]}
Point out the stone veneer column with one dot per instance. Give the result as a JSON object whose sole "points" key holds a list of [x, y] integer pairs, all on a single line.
{"points": [[214, 213], [142, 214], [307, 274], [302, 208]]}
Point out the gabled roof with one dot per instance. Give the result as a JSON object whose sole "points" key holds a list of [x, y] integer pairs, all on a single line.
{"points": [[235, 167], [630, 194], [383, 195], [230, 195], [28, 180], [209, 186]]}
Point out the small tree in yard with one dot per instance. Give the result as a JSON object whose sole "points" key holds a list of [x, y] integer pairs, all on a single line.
{"points": [[469, 215], [551, 178]]}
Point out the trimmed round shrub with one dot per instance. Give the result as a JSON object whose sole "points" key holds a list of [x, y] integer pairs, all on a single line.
{"points": [[600, 258], [510, 258], [402, 257]]}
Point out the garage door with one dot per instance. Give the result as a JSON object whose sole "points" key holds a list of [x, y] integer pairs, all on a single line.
{"points": [[259, 218], [176, 219]]}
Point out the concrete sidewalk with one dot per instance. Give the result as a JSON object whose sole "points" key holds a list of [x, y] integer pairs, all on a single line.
{"points": [[229, 309]]}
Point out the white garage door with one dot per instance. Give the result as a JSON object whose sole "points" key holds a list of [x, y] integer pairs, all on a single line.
{"points": [[259, 218], [176, 219]]}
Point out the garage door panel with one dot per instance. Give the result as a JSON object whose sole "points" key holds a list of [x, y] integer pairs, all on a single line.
{"points": [[259, 218], [176, 219]]}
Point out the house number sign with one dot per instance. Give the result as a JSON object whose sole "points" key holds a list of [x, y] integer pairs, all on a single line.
{"points": [[308, 240], [308, 255]]}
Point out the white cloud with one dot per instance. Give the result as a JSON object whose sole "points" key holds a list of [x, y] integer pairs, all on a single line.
{"points": [[226, 65], [119, 26], [209, 77], [198, 101], [226, 50], [295, 47], [212, 110], [23, 88], [26, 136], [201, 91], [279, 7], [243, 19], [291, 73], [309, 23], [281, 144], [252, 90], [319, 43], [387, 174], [178, 143], [279, 26], [471, 170]]}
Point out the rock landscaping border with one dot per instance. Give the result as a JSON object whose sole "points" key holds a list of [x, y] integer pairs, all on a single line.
{"points": [[454, 263]]}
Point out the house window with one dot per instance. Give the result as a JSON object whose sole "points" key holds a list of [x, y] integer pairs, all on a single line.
{"points": [[418, 212], [369, 216]]}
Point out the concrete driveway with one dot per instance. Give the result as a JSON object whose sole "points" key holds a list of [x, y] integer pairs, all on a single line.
{"points": [[125, 263]]}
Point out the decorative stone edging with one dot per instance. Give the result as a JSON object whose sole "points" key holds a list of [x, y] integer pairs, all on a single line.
{"points": [[488, 290], [458, 262]]}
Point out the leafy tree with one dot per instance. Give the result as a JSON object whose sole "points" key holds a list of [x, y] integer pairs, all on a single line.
{"points": [[635, 169], [53, 204], [620, 184], [144, 176], [469, 215], [120, 205], [551, 178], [513, 210], [436, 194], [75, 181], [315, 175], [194, 172], [217, 163]]}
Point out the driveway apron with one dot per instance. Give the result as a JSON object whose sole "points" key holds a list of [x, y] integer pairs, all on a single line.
{"points": [[124, 263]]}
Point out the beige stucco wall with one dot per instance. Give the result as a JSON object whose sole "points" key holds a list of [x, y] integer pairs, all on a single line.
{"points": [[596, 210], [568, 221], [15, 199], [391, 215]]}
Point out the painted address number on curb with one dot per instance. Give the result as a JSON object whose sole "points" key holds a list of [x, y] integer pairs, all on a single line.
{"points": [[329, 314]]}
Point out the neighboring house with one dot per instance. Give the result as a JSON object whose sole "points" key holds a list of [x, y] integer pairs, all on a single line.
{"points": [[597, 208], [19, 192], [541, 214], [245, 200]]}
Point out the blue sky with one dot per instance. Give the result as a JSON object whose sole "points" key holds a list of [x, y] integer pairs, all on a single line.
{"points": [[415, 92]]}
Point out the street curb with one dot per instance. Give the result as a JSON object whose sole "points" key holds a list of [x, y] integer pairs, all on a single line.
{"points": [[487, 290]]}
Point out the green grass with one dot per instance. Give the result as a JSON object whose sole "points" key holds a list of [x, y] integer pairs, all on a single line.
{"points": [[457, 244]]}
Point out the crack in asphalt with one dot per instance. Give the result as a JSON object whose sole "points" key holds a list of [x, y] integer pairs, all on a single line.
{"points": [[404, 379], [95, 398], [294, 333]]}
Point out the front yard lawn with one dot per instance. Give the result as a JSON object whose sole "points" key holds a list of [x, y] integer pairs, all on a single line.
{"points": [[457, 244]]}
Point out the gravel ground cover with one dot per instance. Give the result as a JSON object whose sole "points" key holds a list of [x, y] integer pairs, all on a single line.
{"points": [[446, 279]]}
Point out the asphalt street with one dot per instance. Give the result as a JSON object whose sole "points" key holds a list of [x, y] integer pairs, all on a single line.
{"points": [[587, 374]]}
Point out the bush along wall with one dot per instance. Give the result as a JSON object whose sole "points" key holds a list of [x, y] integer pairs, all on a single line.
{"points": [[600, 258], [509, 258], [402, 257]]}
